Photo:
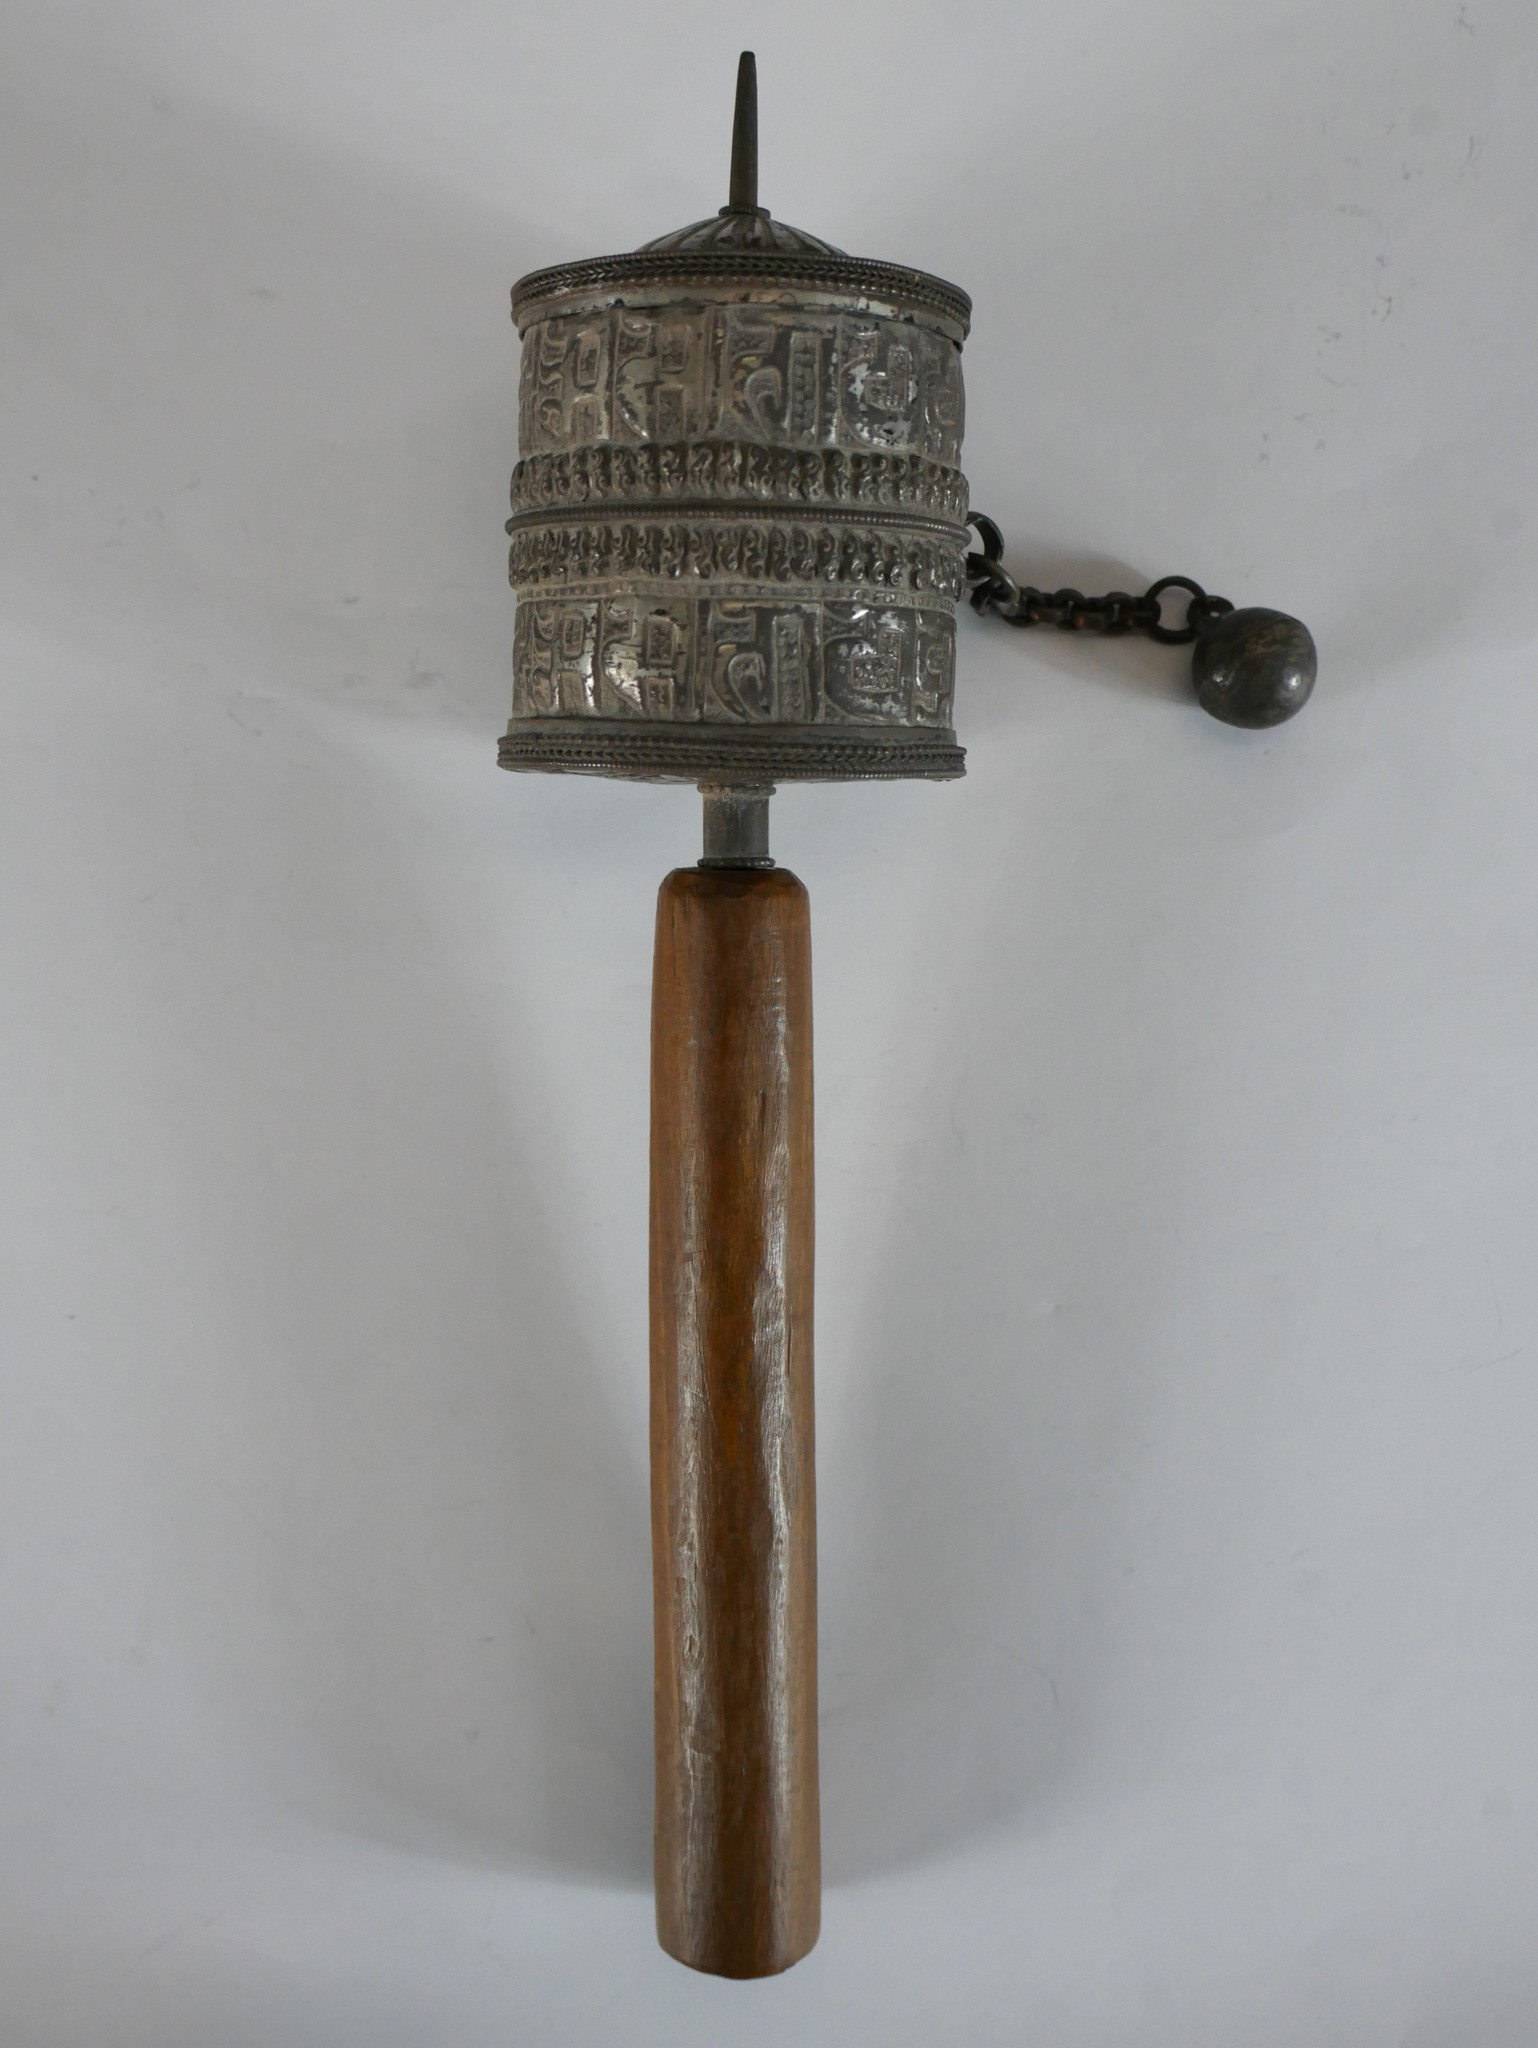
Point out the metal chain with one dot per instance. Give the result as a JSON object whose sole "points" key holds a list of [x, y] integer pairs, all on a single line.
{"points": [[994, 590]]}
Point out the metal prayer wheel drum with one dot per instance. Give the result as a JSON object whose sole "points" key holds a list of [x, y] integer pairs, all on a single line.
{"points": [[738, 530]]}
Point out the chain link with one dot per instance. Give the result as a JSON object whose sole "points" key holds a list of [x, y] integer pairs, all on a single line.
{"points": [[994, 590]]}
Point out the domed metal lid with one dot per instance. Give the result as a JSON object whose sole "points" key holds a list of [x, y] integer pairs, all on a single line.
{"points": [[743, 245]]}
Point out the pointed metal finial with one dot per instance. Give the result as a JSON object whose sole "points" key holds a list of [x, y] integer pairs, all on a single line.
{"points": [[744, 188]]}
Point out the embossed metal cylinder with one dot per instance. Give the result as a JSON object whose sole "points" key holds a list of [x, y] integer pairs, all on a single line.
{"points": [[738, 515]]}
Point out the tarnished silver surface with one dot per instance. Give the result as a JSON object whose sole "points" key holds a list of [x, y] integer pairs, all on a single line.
{"points": [[738, 514], [1254, 668]]}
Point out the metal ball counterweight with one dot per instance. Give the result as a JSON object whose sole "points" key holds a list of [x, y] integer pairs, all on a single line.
{"points": [[1254, 668]]}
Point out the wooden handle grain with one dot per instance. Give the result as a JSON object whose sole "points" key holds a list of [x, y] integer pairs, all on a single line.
{"points": [[733, 1495]]}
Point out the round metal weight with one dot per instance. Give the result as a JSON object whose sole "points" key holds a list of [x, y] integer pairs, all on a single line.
{"points": [[1254, 668]]}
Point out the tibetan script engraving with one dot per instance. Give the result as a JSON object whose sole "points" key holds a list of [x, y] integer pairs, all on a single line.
{"points": [[733, 517]]}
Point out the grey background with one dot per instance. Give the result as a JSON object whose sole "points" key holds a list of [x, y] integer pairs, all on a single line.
{"points": [[1176, 1115]]}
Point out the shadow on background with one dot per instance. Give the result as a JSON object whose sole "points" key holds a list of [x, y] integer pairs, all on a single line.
{"points": [[976, 1501]]}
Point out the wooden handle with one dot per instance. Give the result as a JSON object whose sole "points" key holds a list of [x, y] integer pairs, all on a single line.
{"points": [[733, 1496]]}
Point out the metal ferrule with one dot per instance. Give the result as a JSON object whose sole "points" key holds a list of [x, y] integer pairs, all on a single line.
{"points": [[736, 825]]}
